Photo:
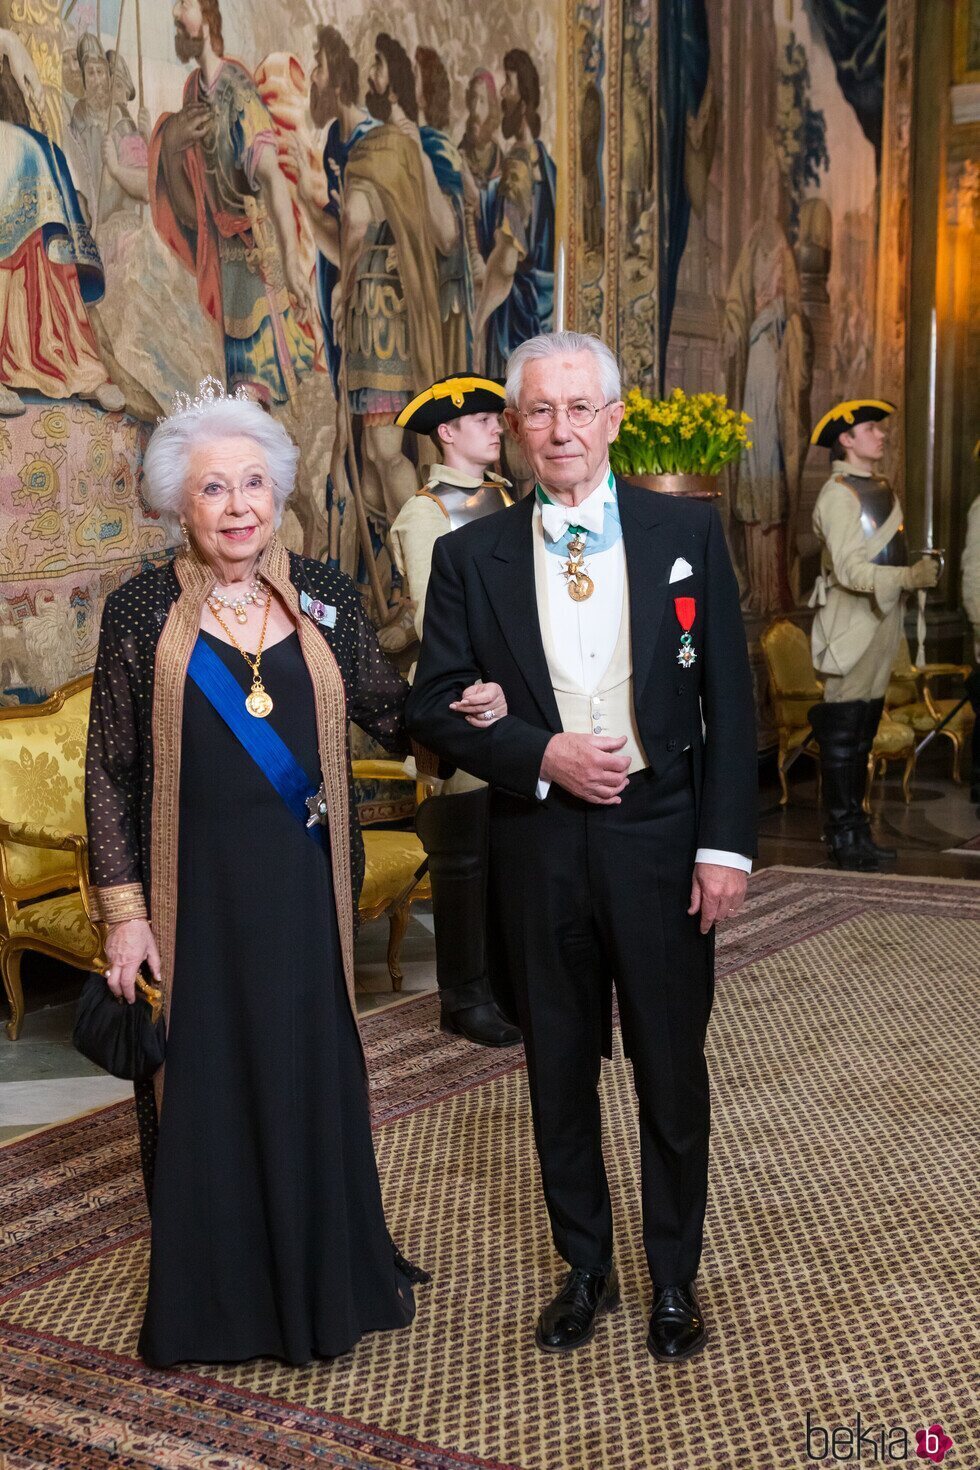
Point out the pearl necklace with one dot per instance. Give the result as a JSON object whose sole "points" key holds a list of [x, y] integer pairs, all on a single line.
{"points": [[239, 605]]}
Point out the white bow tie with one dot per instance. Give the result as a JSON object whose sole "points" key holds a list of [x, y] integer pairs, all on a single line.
{"points": [[556, 519]]}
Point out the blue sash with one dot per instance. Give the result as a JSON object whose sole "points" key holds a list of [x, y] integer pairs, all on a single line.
{"points": [[268, 750]]}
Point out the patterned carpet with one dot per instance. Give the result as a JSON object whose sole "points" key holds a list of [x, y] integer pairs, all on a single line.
{"points": [[840, 1274]]}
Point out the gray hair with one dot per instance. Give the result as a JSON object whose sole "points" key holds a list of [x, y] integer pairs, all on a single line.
{"points": [[563, 344], [171, 443]]}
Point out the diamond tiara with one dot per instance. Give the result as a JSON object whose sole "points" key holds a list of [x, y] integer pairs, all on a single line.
{"points": [[210, 390]]}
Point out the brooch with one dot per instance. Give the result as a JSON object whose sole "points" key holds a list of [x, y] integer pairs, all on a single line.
{"points": [[686, 610], [319, 611]]}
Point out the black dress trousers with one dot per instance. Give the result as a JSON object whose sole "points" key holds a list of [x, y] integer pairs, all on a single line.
{"points": [[600, 897]]}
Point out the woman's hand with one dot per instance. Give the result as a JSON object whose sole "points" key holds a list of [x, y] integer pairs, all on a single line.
{"points": [[129, 944], [481, 704]]}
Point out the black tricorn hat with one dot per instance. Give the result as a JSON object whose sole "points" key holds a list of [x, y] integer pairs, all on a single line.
{"points": [[844, 416], [451, 398]]}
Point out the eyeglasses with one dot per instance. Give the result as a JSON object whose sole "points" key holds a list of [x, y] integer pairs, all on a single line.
{"points": [[580, 414], [254, 488]]}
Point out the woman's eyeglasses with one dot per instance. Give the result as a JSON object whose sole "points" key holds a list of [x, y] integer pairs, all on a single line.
{"points": [[254, 488]]}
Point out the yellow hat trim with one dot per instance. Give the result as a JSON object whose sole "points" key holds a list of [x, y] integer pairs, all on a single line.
{"points": [[454, 388], [846, 412]]}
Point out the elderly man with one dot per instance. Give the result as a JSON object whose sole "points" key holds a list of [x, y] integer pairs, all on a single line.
{"points": [[622, 808]]}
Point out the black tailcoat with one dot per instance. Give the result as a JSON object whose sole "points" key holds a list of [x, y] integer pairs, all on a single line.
{"points": [[582, 895]]}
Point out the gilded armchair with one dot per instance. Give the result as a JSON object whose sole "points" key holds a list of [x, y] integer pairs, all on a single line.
{"points": [[796, 687], [910, 701], [391, 861], [44, 889]]}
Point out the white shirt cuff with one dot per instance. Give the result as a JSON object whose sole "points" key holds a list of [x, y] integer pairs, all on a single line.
{"points": [[723, 859], [542, 789]]}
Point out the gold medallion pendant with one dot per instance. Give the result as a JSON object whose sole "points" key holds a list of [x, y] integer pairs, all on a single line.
{"points": [[580, 586], [258, 703]]}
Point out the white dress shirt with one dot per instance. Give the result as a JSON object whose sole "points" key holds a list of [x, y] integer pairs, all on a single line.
{"points": [[585, 633]]}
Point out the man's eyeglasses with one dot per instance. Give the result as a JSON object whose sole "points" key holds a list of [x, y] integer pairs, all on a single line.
{"points": [[580, 414], [254, 488]]}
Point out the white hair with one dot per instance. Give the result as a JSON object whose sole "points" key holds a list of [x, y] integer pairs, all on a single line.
{"points": [[167, 454], [563, 344]]}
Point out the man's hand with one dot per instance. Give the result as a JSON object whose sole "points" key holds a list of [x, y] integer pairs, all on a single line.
{"points": [[299, 290], [717, 893], [479, 700], [411, 130], [130, 944], [188, 126], [587, 766], [924, 573], [110, 157]]}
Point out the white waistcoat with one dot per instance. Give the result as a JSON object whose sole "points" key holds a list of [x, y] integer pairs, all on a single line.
{"points": [[606, 709]]}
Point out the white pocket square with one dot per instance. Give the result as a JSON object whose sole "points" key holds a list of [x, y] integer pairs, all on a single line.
{"points": [[680, 570]]}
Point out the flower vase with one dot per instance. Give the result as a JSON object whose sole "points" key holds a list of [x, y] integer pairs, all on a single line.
{"points": [[693, 487]]}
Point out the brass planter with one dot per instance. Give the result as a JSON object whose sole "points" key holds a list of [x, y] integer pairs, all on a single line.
{"points": [[694, 487]]}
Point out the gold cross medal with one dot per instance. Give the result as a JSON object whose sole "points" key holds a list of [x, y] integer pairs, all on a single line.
{"points": [[580, 585]]}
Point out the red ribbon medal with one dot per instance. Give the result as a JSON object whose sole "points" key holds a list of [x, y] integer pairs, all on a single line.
{"points": [[686, 610]]}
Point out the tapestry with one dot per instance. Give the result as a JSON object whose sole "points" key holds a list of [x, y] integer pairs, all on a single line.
{"points": [[329, 212], [72, 528], [746, 189]]}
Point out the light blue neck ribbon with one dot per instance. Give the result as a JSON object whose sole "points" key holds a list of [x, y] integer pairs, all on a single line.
{"points": [[612, 528]]}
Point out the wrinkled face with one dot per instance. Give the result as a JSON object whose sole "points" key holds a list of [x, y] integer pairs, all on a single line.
{"points": [[475, 438], [564, 457], [228, 504], [189, 30], [324, 102], [866, 441]]}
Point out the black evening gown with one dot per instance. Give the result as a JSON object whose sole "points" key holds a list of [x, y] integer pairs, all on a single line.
{"points": [[268, 1231]]}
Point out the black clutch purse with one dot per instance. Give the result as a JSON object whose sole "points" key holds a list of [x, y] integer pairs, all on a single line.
{"points": [[128, 1041]]}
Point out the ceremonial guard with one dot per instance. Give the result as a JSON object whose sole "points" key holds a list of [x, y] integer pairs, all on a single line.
{"points": [[462, 417], [859, 601]]}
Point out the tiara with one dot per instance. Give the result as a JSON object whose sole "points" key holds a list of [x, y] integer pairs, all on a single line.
{"points": [[210, 390]]}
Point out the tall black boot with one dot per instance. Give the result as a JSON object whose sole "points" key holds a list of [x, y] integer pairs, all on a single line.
{"points": [[874, 708], [453, 830], [839, 729]]}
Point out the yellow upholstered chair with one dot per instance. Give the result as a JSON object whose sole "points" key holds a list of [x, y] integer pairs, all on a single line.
{"points": [[44, 889], [910, 701], [391, 862], [795, 689]]}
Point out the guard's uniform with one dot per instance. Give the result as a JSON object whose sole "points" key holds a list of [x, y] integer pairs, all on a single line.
{"points": [[450, 498], [858, 599], [453, 824]]}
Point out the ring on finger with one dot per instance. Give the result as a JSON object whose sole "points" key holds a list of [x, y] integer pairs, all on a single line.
{"points": [[489, 714]]}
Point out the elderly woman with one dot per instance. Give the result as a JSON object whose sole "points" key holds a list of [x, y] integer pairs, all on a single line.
{"points": [[220, 707]]}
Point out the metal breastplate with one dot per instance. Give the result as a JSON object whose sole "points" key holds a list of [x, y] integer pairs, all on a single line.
{"points": [[876, 498], [464, 506]]}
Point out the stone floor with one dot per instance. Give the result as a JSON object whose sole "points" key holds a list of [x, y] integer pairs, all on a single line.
{"points": [[43, 1080]]}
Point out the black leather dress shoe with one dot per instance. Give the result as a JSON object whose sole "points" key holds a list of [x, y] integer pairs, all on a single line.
{"points": [[677, 1327], [482, 1024], [569, 1320]]}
